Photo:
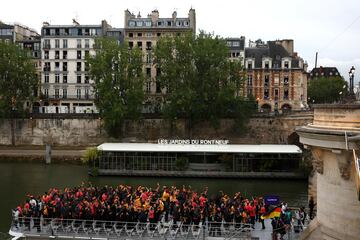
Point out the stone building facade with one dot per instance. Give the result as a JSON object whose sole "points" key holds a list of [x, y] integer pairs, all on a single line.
{"points": [[144, 32], [65, 82], [276, 76]]}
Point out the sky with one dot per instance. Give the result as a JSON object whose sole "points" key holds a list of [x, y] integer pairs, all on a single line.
{"points": [[330, 27]]}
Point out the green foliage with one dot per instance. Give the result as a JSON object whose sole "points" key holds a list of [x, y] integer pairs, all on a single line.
{"points": [[201, 83], [305, 165], [181, 163], [118, 82], [17, 79], [91, 156], [327, 90]]}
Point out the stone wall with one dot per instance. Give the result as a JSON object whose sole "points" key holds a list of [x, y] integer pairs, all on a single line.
{"points": [[84, 132]]}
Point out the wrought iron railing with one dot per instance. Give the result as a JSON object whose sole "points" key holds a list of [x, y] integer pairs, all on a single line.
{"points": [[95, 229]]}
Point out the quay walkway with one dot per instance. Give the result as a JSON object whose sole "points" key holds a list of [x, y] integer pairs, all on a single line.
{"points": [[41, 228]]}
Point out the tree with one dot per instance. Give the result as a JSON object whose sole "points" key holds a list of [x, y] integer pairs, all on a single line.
{"points": [[201, 83], [118, 82], [327, 89], [17, 82]]}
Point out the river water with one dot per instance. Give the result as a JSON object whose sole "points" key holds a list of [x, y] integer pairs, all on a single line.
{"points": [[19, 179]]}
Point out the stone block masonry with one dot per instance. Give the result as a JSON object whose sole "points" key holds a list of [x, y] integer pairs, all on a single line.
{"points": [[88, 131]]}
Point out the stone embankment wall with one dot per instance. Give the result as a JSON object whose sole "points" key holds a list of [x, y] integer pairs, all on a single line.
{"points": [[85, 132]]}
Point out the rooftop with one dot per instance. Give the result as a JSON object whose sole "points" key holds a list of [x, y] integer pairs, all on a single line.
{"points": [[229, 148]]}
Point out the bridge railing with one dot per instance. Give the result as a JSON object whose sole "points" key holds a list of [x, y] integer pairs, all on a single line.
{"points": [[91, 229], [357, 173]]}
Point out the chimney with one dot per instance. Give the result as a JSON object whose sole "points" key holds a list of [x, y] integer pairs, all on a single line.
{"points": [[154, 15], [192, 19]]}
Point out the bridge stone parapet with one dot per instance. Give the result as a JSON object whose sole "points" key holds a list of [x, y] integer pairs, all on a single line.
{"points": [[332, 138]]}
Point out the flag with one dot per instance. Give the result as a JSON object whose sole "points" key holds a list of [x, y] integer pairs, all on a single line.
{"points": [[275, 212]]}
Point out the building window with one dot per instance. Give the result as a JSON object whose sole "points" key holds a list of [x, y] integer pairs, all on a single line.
{"points": [[87, 93], [148, 72], [139, 44], [267, 80], [57, 78], [186, 23], [87, 79], [276, 94], [78, 43], [64, 93], [46, 93], [57, 43], [158, 34], [131, 35], [158, 87], [87, 43], [64, 66], [47, 44], [78, 93], [57, 66], [286, 81], [131, 45], [249, 65], [57, 93], [159, 23], [64, 78], [148, 86], [286, 94], [87, 53], [57, 55], [148, 58], [64, 54], [65, 43], [78, 78], [249, 92], [148, 24], [78, 66], [267, 65], [266, 94], [178, 23], [236, 44], [249, 80], [78, 55], [148, 45], [169, 23], [286, 65], [46, 54], [47, 67], [46, 78], [139, 34]]}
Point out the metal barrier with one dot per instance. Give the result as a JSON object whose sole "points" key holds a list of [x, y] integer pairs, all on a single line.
{"points": [[96, 229]]}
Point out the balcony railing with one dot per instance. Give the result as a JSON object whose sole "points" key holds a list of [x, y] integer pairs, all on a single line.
{"points": [[82, 97]]}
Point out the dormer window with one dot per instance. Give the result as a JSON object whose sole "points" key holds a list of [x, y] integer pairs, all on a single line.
{"points": [[186, 23], [249, 65], [139, 24], [148, 23], [131, 24], [267, 65], [159, 23], [286, 64]]}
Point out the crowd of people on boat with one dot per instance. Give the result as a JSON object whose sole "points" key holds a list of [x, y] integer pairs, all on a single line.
{"points": [[141, 204]]}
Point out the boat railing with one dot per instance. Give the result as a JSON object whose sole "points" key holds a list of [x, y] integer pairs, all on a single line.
{"points": [[94, 229]]}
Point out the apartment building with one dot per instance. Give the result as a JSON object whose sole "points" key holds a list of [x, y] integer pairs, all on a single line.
{"points": [[144, 32], [276, 76], [65, 82]]}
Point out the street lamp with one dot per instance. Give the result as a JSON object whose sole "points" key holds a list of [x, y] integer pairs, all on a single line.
{"points": [[351, 77]]}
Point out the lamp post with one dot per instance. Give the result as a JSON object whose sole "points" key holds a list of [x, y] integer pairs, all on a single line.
{"points": [[351, 78]]}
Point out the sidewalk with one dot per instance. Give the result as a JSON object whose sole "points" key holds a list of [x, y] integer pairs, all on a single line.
{"points": [[37, 153]]}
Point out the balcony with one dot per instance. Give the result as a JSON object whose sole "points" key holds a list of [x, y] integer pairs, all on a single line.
{"points": [[69, 97], [46, 46]]}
